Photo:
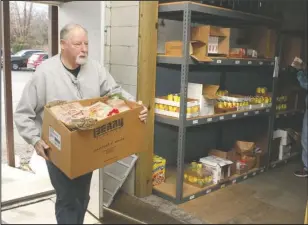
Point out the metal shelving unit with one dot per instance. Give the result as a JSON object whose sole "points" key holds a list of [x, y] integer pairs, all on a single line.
{"points": [[188, 13], [217, 61], [196, 121]]}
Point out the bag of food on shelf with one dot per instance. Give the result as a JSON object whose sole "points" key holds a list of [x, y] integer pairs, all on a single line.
{"points": [[245, 148], [198, 175]]}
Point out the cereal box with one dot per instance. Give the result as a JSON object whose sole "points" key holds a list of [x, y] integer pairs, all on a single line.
{"points": [[159, 170]]}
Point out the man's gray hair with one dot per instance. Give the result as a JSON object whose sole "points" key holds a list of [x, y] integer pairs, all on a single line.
{"points": [[67, 28]]}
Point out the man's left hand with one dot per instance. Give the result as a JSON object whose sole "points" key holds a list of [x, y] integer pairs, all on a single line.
{"points": [[143, 114]]}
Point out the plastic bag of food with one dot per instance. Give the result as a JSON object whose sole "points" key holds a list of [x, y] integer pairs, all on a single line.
{"points": [[98, 110], [67, 112], [197, 175], [118, 104]]}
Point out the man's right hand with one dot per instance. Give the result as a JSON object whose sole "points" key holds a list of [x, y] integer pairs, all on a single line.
{"points": [[41, 148]]}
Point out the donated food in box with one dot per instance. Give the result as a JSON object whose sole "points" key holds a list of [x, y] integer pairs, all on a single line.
{"points": [[89, 134], [159, 170], [221, 168]]}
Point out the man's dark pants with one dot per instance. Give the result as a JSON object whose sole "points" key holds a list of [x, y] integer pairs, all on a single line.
{"points": [[72, 195]]}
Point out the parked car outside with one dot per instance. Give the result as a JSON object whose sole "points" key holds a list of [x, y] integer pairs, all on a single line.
{"points": [[36, 59], [20, 59]]}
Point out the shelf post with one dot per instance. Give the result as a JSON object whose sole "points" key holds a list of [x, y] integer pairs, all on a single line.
{"points": [[272, 117], [183, 103]]}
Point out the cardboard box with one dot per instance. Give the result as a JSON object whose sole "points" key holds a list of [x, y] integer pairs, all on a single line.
{"points": [[197, 50], [199, 44], [77, 152], [229, 155], [221, 168], [206, 95], [216, 38]]}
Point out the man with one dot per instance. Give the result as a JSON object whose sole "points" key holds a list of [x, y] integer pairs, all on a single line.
{"points": [[68, 76], [303, 81]]}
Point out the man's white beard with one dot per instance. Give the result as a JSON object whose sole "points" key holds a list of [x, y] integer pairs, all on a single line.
{"points": [[81, 60]]}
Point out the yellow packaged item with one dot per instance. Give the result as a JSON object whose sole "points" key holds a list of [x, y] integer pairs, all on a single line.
{"points": [[197, 175], [159, 170]]}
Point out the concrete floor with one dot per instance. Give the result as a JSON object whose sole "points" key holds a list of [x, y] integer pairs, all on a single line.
{"points": [[275, 196]]}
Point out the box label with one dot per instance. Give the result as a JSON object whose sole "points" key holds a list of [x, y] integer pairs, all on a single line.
{"points": [[106, 128], [55, 138]]}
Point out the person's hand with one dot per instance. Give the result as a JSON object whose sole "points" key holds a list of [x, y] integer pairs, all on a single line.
{"points": [[41, 148], [297, 63], [144, 113]]}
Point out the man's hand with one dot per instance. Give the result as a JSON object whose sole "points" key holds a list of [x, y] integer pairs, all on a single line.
{"points": [[143, 114], [41, 148]]}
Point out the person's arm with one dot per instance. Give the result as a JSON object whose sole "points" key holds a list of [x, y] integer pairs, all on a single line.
{"points": [[108, 86], [30, 104], [302, 78]]}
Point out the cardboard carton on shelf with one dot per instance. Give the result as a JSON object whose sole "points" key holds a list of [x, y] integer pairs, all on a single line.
{"points": [[229, 155], [216, 38], [206, 95], [221, 168], [204, 40], [77, 152], [248, 153], [197, 50]]}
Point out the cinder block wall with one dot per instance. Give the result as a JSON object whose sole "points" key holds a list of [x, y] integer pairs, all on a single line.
{"points": [[73, 12], [121, 42]]}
